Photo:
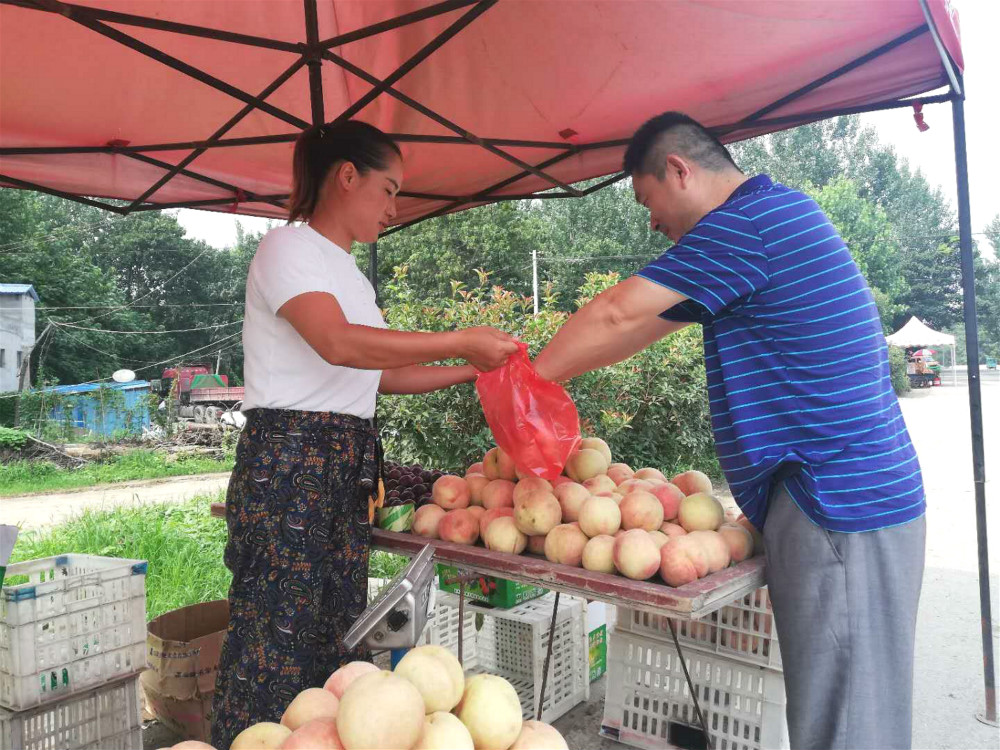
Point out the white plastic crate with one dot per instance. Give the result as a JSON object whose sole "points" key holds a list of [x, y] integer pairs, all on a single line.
{"points": [[80, 621], [648, 703], [512, 643], [104, 718], [743, 630]]}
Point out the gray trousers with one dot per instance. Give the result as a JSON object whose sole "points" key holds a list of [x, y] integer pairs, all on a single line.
{"points": [[845, 610]]}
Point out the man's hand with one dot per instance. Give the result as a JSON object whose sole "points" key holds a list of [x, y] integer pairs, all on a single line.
{"points": [[610, 328]]}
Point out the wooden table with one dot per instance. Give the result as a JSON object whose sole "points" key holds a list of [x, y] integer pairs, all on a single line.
{"points": [[688, 602]]}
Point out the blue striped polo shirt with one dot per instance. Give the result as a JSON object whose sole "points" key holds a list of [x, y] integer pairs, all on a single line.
{"points": [[796, 362]]}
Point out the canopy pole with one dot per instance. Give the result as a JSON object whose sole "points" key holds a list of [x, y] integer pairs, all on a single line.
{"points": [[954, 365], [373, 266], [989, 716]]}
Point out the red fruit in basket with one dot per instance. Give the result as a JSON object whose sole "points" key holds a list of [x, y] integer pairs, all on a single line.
{"points": [[715, 547], [498, 494], [426, 520], [641, 510], [693, 482], [740, 541]]}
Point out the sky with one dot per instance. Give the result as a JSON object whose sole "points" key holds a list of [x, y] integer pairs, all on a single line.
{"points": [[933, 151]]}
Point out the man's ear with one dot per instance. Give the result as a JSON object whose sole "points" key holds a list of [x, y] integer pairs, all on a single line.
{"points": [[679, 167]]}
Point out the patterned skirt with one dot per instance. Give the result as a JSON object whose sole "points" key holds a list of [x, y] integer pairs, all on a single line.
{"points": [[297, 514]]}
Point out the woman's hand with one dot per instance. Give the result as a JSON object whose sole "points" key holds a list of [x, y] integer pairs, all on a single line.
{"points": [[486, 348]]}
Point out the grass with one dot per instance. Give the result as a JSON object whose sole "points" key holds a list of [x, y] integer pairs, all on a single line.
{"points": [[182, 543], [21, 477]]}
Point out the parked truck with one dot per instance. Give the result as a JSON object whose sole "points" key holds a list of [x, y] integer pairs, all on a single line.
{"points": [[200, 394]]}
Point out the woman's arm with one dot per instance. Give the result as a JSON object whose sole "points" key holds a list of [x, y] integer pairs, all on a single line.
{"points": [[318, 318], [424, 379]]}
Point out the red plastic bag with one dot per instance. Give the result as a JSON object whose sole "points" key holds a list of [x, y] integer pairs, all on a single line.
{"points": [[533, 420]]}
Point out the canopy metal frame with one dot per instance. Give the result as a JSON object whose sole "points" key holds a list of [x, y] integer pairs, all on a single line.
{"points": [[313, 52]]}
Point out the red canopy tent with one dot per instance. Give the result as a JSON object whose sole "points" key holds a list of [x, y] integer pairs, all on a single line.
{"points": [[169, 104]]}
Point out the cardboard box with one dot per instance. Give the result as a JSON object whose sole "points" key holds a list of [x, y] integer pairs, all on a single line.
{"points": [[496, 592], [597, 638], [182, 650]]}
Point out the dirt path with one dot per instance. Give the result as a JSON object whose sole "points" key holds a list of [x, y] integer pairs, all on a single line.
{"points": [[40, 510]]}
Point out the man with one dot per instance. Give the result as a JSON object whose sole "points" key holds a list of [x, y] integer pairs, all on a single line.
{"points": [[807, 427]]}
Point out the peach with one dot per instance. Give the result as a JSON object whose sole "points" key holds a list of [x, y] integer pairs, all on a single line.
{"points": [[316, 734], [537, 735], [586, 463], [676, 566], [530, 484], [636, 555], [426, 520], [450, 492], [311, 703], [630, 485], [489, 516], [477, 512], [444, 730], [564, 544], [498, 465], [641, 510], [263, 736], [196, 745], [561, 479], [598, 445], [502, 535], [693, 482], [700, 512], [600, 484], [436, 673], [491, 711], [476, 468], [536, 544], [716, 549], [739, 541], [381, 710], [695, 552], [659, 538], [598, 555], [459, 526], [571, 497], [537, 512], [339, 681], [670, 498], [619, 473], [477, 483], [498, 494], [651, 475], [672, 529], [600, 515], [758, 540]]}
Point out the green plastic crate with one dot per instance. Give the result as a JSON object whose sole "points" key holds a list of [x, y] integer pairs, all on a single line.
{"points": [[498, 592]]}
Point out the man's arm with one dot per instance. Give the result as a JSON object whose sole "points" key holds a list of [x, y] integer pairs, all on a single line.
{"points": [[610, 328]]}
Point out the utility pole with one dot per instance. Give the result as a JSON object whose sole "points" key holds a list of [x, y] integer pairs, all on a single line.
{"points": [[534, 277], [23, 370], [218, 361]]}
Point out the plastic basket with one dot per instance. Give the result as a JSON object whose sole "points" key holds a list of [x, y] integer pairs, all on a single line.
{"points": [[512, 643], [648, 703], [80, 621], [743, 630], [104, 718]]}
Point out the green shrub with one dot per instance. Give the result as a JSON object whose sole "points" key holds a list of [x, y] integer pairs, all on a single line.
{"points": [[652, 409], [12, 440], [897, 370]]}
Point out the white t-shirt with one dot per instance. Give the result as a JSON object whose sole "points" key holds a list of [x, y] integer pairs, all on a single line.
{"points": [[281, 370]]}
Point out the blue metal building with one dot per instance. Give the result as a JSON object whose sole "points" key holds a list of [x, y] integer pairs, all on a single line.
{"points": [[90, 412]]}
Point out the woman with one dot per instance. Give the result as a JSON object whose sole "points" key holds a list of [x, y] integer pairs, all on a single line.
{"points": [[316, 352]]}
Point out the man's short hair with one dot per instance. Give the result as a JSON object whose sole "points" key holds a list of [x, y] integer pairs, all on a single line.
{"points": [[674, 133]]}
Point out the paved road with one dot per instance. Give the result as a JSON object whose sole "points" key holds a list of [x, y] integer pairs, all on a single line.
{"points": [[37, 511]]}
